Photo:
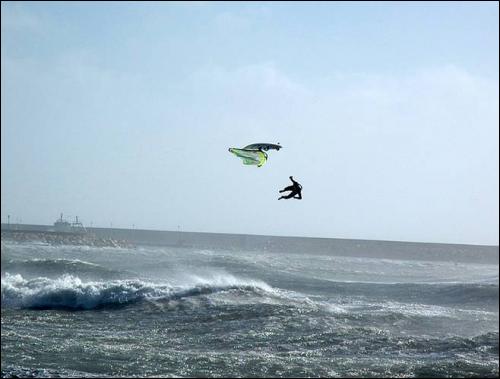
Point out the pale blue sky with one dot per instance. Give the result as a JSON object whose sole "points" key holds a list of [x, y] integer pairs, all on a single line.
{"points": [[122, 113]]}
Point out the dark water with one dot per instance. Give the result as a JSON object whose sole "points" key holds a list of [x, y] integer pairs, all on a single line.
{"points": [[173, 312]]}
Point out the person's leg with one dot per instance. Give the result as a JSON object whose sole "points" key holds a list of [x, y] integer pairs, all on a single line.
{"points": [[289, 188], [289, 196]]}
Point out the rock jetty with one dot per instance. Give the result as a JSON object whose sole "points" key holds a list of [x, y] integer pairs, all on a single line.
{"points": [[52, 238]]}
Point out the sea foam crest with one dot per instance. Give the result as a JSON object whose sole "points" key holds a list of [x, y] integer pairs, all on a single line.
{"points": [[70, 292]]}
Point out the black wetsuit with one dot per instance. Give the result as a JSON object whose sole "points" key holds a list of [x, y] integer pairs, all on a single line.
{"points": [[295, 188]]}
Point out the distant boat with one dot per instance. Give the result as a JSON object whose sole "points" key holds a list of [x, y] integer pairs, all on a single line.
{"points": [[62, 225]]}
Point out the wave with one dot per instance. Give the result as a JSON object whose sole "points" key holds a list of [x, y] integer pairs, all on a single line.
{"points": [[415, 318], [357, 300], [450, 294], [56, 267], [71, 293]]}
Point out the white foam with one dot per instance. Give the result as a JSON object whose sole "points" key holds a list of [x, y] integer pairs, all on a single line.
{"points": [[70, 292]]}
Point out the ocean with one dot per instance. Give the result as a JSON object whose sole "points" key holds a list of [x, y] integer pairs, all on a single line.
{"points": [[79, 311]]}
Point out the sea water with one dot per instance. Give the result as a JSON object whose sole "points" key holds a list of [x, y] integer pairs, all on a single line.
{"points": [[76, 311]]}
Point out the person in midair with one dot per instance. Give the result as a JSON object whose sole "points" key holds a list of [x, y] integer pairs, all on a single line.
{"points": [[295, 188]]}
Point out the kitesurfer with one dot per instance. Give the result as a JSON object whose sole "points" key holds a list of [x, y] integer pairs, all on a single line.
{"points": [[295, 188]]}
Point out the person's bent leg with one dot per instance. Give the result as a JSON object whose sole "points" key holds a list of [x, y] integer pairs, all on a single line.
{"points": [[290, 195], [289, 188]]}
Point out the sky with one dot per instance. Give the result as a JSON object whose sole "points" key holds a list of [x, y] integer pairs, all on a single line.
{"points": [[122, 114]]}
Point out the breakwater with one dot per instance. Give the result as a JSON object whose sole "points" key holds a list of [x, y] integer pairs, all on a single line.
{"points": [[309, 245], [56, 238]]}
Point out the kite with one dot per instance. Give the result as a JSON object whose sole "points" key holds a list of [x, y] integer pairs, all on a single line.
{"points": [[254, 154]]}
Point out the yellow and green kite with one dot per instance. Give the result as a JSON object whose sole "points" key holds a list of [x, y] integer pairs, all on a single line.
{"points": [[254, 154]]}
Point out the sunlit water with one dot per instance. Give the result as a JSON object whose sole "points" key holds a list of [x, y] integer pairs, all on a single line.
{"points": [[98, 312]]}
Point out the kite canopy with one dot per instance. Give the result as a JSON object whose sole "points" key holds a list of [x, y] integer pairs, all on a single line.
{"points": [[250, 157], [254, 154], [263, 146]]}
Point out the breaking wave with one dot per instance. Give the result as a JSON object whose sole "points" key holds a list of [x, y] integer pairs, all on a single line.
{"points": [[71, 293]]}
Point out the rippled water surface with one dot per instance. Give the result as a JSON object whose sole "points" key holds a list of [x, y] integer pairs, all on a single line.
{"points": [[178, 312]]}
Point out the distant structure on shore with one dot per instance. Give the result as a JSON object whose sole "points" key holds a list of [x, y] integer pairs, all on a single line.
{"points": [[62, 225]]}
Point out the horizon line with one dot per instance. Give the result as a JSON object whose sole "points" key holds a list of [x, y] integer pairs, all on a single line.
{"points": [[267, 235]]}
